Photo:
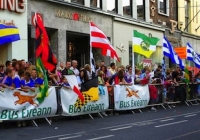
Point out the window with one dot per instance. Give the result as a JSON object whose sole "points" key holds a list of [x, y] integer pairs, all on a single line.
{"points": [[127, 7], [112, 5], [78, 1], [163, 7], [186, 15], [140, 9], [96, 3]]}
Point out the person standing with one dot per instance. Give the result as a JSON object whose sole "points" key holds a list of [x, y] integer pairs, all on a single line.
{"points": [[67, 70], [74, 67]]}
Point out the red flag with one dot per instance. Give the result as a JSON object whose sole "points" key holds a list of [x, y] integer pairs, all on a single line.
{"points": [[99, 40], [43, 49]]}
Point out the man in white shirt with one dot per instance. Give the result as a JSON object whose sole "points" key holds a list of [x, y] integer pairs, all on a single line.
{"points": [[74, 67]]}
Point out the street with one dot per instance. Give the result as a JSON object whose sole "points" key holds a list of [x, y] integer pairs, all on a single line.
{"points": [[177, 123]]}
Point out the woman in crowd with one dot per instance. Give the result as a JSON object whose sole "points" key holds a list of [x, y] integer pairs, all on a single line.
{"points": [[89, 71], [129, 77], [105, 71]]}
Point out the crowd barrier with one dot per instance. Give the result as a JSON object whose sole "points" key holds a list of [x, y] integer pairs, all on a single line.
{"points": [[59, 101]]}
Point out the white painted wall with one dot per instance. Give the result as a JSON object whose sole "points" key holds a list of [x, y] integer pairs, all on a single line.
{"points": [[18, 49], [123, 33]]}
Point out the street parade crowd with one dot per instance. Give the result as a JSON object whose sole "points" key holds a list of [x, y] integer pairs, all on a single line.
{"points": [[21, 75]]}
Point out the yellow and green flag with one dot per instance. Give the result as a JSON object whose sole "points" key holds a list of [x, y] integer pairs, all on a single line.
{"points": [[143, 44], [42, 74]]}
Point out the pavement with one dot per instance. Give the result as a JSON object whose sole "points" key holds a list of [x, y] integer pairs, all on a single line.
{"points": [[179, 123]]}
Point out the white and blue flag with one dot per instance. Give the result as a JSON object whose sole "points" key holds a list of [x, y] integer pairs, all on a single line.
{"points": [[193, 56], [169, 52]]}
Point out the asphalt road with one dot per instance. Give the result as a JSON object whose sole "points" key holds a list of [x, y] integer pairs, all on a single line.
{"points": [[180, 123]]}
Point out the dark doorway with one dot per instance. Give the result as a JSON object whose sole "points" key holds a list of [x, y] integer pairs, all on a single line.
{"points": [[78, 48]]}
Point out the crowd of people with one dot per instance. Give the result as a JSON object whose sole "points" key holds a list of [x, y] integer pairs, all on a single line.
{"points": [[21, 75]]}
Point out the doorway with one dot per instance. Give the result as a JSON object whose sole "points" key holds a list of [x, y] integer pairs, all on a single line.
{"points": [[78, 48]]}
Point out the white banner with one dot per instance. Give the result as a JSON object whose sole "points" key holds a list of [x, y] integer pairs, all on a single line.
{"points": [[131, 97], [19, 105], [72, 106]]}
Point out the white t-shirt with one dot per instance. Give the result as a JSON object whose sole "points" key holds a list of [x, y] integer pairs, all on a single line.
{"points": [[75, 70]]}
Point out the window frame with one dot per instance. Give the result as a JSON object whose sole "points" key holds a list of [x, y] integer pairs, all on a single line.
{"points": [[167, 8], [144, 10], [116, 8], [83, 3], [131, 9], [100, 4]]}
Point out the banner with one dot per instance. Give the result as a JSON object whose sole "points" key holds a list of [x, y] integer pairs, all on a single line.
{"points": [[19, 105], [72, 105], [131, 97], [147, 62]]}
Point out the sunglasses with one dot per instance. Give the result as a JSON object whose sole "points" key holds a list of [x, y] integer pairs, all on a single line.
{"points": [[1, 66]]}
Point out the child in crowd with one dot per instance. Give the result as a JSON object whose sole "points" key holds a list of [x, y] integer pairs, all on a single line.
{"points": [[100, 77], [36, 80], [7, 80], [65, 83], [27, 83]]}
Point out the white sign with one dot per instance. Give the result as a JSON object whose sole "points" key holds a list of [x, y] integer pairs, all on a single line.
{"points": [[131, 97], [72, 106], [18, 105]]}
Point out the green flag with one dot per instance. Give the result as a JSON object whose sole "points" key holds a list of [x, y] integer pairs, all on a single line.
{"points": [[42, 74]]}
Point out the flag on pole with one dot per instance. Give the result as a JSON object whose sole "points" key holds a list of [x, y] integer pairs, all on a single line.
{"points": [[92, 62], [43, 48], [72, 80], [8, 34], [193, 56], [99, 40], [42, 74], [143, 44], [169, 52]]}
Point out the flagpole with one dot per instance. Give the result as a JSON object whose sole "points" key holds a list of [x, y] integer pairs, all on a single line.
{"points": [[133, 63]]}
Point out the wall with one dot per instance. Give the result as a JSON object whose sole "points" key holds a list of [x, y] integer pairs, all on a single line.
{"points": [[123, 33], [19, 48], [49, 11], [193, 10], [160, 18]]}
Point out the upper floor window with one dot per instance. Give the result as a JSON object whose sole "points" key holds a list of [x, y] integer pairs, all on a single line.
{"points": [[163, 7], [140, 9], [112, 5], [96, 3], [127, 7], [187, 15], [78, 1]]}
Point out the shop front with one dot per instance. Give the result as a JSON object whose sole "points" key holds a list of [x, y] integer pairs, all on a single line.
{"points": [[68, 30], [123, 36], [15, 15]]}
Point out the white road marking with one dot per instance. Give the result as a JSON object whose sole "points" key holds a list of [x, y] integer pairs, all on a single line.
{"points": [[190, 115], [56, 136], [171, 123], [167, 120], [120, 128], [103, 137], [66, 138]]}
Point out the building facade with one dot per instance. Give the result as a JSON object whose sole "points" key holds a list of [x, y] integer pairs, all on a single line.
{"points": [[15, 15], [189, 18], [67, 24], [124, 25]]}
